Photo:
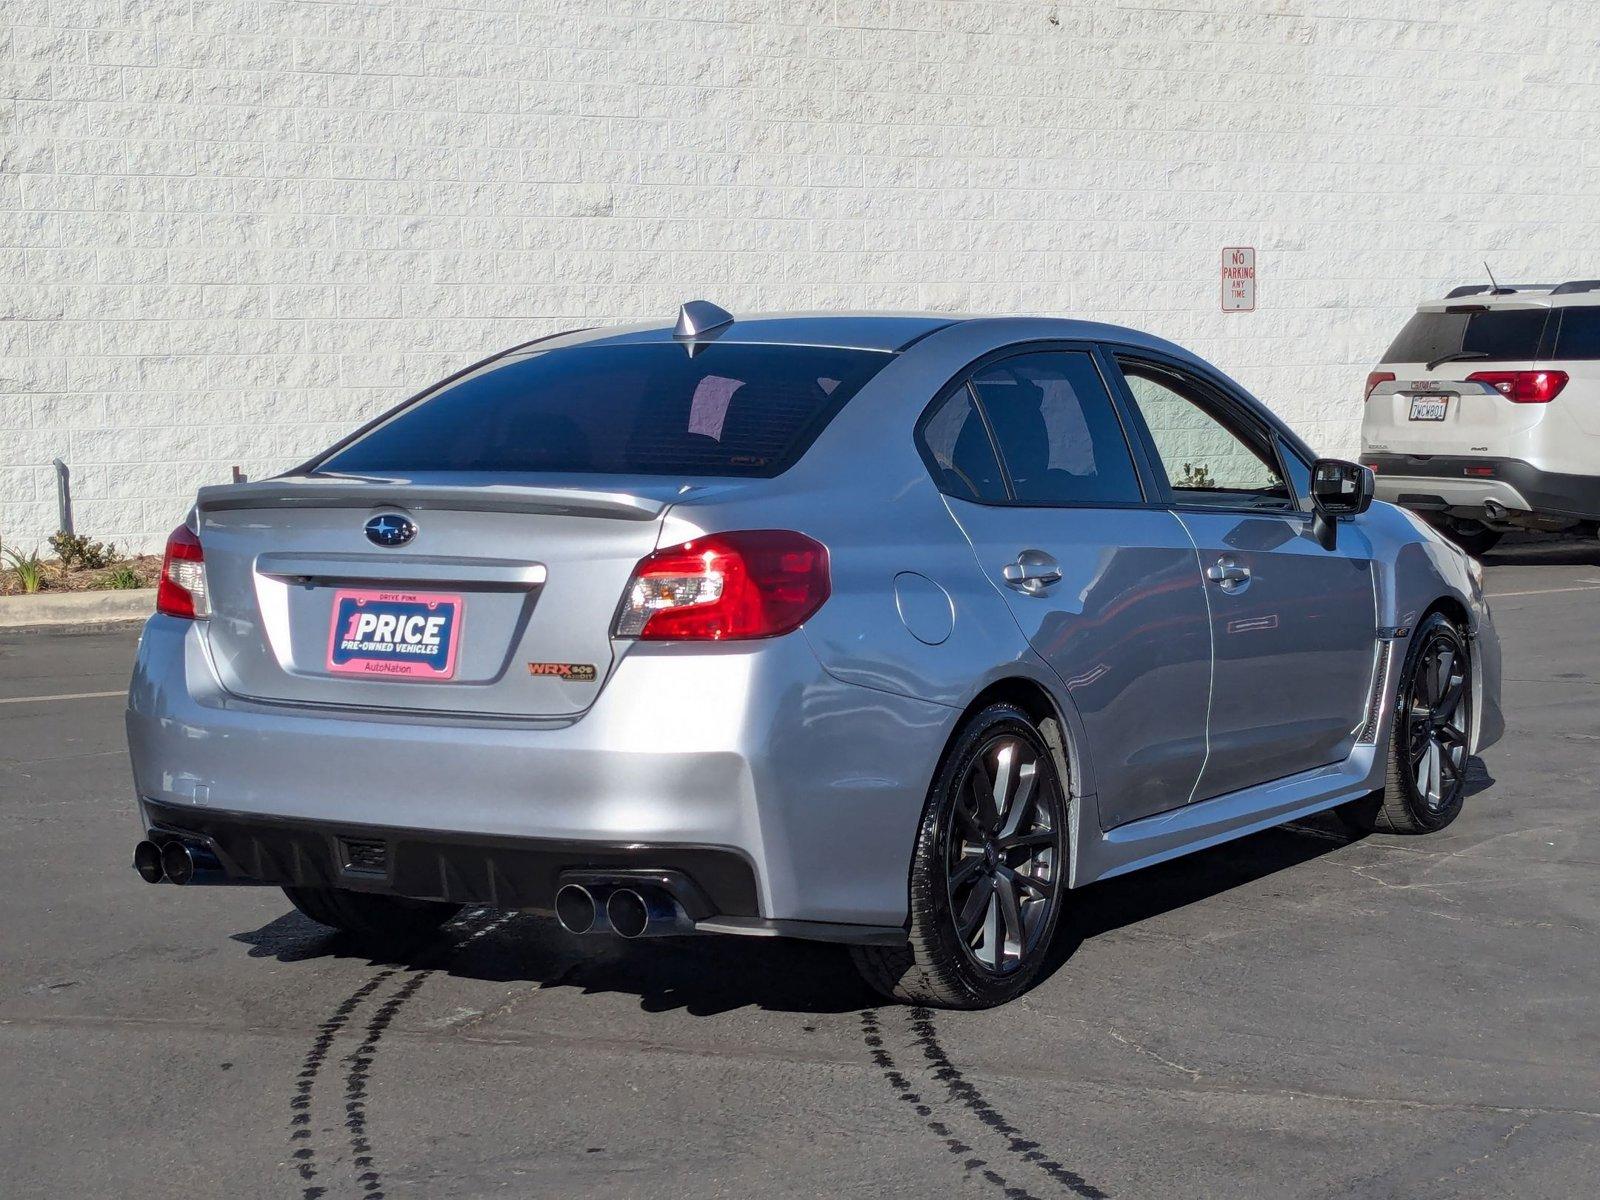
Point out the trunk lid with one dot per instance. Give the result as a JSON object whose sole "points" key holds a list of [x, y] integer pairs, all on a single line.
{"points": [[519, 581]]}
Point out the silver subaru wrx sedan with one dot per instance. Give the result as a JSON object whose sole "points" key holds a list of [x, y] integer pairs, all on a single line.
{"points": [[882, 630]]}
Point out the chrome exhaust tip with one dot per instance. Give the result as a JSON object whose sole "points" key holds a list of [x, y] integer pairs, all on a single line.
{"points": [[646, 912], [147, 861], [190, 862], [177, 863], [576, 908], [627, 912]]}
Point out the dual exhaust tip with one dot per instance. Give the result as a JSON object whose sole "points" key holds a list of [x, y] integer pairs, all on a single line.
{"points": [[628, 912], [178, 862]]}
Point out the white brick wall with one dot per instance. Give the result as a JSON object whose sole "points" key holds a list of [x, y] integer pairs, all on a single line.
{"points": [[229, 229]]}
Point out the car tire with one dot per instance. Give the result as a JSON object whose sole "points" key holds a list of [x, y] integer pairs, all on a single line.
{"points": [[1429, 738], [967, 947], [385, 920], [1474, 537]]}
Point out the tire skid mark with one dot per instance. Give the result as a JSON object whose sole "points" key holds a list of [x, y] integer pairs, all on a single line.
{"points": [[967, 1095], [305, 1156], [872, 1034], [358, 1064]]}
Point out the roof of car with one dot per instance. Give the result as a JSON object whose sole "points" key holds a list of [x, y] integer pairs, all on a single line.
{"points": [[1518, 295], [887, 332], [859, 331]]}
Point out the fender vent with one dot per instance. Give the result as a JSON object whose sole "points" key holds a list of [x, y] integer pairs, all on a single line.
{"points": [[1380, 680]]}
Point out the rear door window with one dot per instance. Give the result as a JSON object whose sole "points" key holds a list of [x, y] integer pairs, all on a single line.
{"points": [[1058, 433], [1497, 334], [646, 408], [958, 451]]}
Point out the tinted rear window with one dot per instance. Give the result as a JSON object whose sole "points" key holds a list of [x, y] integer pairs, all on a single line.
{"points": [[1498, 335], [634, 409], [1580, 333]]}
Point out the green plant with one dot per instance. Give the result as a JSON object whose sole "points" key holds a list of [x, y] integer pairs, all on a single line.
{"points": [[1197, 477], [76, 550], [124, 578], [29, 569]]}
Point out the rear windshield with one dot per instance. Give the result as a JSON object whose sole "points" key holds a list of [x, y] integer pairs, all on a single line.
{"points": [[647, 409], [1499, 334]]}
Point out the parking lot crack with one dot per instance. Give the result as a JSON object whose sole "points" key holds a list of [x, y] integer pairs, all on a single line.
{"points": [[1192, 1072], [1501, 1143]]}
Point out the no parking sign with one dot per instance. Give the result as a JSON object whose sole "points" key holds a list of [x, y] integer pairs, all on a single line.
{"points": [[1238, 279]]}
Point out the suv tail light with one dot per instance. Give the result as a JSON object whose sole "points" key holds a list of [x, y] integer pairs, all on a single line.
{"points": [[183, 577], [1374, 378], [756, 583], [1523, 387]]}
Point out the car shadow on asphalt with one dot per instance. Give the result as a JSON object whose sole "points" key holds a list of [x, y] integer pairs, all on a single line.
{"points": [[706, 976], [1114, 904], [703, 976]]}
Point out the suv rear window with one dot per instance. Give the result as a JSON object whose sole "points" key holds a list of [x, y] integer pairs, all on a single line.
{"points": [[1580, 333], [646, 408], [1496, 334]]}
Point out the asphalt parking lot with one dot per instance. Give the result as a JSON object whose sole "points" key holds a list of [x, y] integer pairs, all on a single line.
{"points": [[1297, 1014]]}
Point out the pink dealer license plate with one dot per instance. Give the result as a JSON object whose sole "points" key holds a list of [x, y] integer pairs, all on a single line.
{"points": [[394, 634]]}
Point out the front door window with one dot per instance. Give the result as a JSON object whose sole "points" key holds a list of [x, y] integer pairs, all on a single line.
{"points": [[1208, 456]]}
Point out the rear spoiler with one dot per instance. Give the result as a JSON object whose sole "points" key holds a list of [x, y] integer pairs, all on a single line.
{"points": [[292, 492]]}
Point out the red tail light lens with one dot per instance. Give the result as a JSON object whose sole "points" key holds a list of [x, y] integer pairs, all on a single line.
{"points": [[1523, 387], [756, 583], [183, 577], [1374, 378]]}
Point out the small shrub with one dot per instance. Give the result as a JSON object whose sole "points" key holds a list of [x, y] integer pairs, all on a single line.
{"points": [[76, 550], [124, 578], [29, 569]]}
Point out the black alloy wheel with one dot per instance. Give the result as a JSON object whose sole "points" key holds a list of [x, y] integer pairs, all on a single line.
{"points": [[1429, 740], [988, 871]]}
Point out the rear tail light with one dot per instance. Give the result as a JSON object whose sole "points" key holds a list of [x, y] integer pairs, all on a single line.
{"points": [[1374, 378], [726, 586], [1523, 387], [183, 577]]}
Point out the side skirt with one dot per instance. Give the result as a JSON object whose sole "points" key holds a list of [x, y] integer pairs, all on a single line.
{"points": [[1167, 835]]}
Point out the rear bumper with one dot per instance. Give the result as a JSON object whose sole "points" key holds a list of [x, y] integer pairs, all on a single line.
{"points": [[785, 795], [1441, 483], [503, 872]]}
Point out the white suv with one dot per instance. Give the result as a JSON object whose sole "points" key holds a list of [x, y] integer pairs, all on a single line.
{"points": [[1484, 415]]}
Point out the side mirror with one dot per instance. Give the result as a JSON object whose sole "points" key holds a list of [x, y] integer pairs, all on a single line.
{"points": [[1338, 489]]}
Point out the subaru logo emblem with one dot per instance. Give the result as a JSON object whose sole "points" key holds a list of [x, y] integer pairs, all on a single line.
{"points": [[390, 529]]}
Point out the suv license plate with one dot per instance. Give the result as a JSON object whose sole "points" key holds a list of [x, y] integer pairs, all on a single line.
{"points": [[1428, 408], [386, 634]]}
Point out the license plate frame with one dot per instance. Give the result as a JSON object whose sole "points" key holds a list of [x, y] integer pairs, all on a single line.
{"points": [[420, 641], [1429, 407]]}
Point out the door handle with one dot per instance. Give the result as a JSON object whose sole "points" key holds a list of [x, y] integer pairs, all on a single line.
{"points": [[1033, 572], [1228, 574]]}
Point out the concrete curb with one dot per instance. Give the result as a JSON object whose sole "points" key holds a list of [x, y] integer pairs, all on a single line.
{"points": [[60, 611]]}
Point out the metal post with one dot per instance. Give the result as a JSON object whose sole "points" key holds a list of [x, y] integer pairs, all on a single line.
{"points": [[63, 496]]}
